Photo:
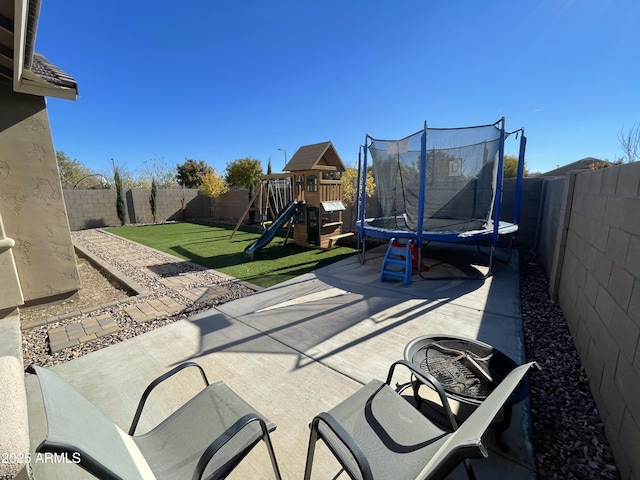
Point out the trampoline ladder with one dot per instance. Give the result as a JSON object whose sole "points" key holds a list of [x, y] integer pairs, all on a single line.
{"points": [[397, 263]]}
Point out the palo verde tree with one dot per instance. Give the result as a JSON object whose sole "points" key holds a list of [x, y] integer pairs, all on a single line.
{"points": [[190, 173], [244, 172], [213, 186]]}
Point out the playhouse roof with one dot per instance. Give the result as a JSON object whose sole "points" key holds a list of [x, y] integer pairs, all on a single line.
{"points": [[319, 156]]}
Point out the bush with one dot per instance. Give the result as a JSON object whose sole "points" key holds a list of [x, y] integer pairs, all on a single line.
{"points": [[153, 199], [121, 206]]}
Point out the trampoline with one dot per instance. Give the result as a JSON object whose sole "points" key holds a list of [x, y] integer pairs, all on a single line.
{"points": [[438, 184]]}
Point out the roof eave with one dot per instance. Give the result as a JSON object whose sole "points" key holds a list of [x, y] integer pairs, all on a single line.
{"points": [[20, 34], [32, 84], [24, 80]]}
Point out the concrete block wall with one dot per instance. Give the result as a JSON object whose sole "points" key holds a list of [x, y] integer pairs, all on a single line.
{"points": [[230, 206], [97, 208], [91, 208], [169, 205], [551, 197], [599, 293], [529, 208]]}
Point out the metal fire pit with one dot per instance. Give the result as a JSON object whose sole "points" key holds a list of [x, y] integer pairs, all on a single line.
{"points": [[467, 369]]}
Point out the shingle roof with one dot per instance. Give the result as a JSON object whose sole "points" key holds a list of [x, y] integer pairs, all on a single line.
{"points": [[582, 164], [319, 156], [38, 75], [52, 74]]}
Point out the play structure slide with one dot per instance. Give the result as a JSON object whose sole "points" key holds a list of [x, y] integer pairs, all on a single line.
{"points": [[253, 250]]}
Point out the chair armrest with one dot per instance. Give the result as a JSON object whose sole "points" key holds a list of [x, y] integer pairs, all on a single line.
{"points": [[231, 432], [429, 380], [347, 440], [157, 382]]}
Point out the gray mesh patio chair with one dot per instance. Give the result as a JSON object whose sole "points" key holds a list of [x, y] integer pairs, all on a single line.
{"points": [[377, 434], [205, 438]]}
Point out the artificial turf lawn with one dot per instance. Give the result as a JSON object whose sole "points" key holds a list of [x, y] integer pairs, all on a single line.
{"points": [[211, 247]]}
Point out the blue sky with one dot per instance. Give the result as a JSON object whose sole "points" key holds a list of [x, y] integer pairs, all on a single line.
{"points": [[216, 81]]}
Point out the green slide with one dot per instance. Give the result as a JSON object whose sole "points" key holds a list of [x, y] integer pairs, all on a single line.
{"points": [[253, 250]]}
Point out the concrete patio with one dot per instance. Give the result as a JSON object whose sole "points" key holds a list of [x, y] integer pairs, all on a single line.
{"points": [[301, 347]]}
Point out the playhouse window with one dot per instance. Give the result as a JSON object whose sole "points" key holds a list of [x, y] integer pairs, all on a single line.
{"points": [[312, 183], [331, 175]]}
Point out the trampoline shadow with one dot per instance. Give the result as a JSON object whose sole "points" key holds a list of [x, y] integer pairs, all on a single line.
{"points": [[442, 261], [449, 261]]}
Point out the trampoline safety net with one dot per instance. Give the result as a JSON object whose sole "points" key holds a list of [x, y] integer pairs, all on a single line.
{"points": [[459, 185]]}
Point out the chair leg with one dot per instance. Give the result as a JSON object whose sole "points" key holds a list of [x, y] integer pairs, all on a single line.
{"points": [[272, 455], [470, 473], [502, 427], [311, 450]]}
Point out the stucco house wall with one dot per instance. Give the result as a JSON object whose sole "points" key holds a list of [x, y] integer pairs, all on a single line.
{"points": [[31, 202]]}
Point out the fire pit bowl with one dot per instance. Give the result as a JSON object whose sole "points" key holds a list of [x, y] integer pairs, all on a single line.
{"points": [[467, 369]]}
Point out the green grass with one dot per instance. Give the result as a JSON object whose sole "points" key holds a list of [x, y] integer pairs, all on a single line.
{"points": [[211, 247]]}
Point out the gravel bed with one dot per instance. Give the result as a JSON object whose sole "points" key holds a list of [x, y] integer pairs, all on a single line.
{"points": [[35, 343], [96, 289], [568, 435]]}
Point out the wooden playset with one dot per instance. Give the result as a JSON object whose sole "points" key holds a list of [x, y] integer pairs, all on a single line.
{"points": [[307, 198]]}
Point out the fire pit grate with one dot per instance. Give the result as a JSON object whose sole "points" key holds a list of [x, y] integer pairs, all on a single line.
{"points": [[459, 370]]}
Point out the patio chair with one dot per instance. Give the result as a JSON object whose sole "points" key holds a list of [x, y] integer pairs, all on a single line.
{"points": [[207, 437], [377, 434]]}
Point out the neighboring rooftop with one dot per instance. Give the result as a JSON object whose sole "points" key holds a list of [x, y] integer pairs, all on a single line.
{"points": [[583, 164]]}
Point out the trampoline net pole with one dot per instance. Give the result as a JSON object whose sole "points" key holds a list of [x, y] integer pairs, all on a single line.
{"points": [[498, 191], [519, 179]]}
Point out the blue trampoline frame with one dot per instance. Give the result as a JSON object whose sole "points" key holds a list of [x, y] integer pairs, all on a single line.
{"points": [[492, 232]]}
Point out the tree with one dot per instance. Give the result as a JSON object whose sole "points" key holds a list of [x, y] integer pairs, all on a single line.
{"points": [[153, 199], [130, 181], [244, 172], [630, 142], [158, 170], [269, 166], [349, 187], [72, 171], [190, 173], [213, 186], [121, 208], [511, 167]]}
